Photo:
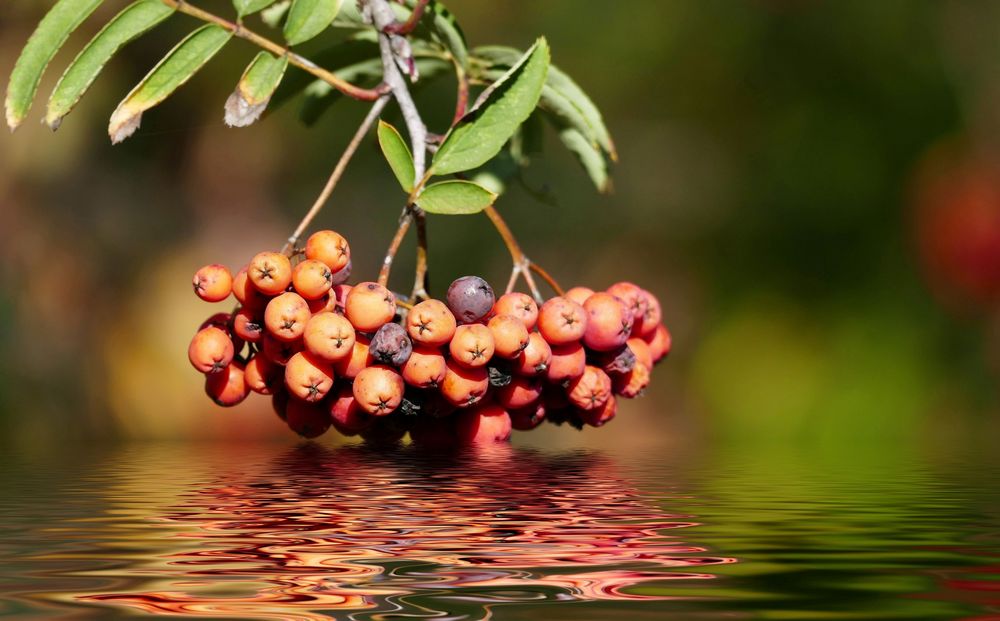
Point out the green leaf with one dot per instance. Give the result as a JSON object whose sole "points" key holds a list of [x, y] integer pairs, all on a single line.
{"points": [[444, 28], [255, 88], [43, 44], [481, 133], [397, 154], [132, 21], [590, 156], [455, 198], [273, 15], [561, 97], [247, 7], [308, 18], [168, 75]]}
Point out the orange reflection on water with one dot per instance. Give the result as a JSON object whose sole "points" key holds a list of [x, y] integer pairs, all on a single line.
{"points": [[319, 533]]}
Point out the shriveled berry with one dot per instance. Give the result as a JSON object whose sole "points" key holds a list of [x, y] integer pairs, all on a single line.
{"points": [[369, 306], [535, 358], [312, 279], [591, 390], [472, 345], [510, 337], [379, 390], [430, 323], [520, 305], [329, 247], [211, 350], [600, 416], [470, 298], [562, 321], [329, 336], [213, 283], [309, 420], [308, 377], [631, 384], [286, 315], [391, 345], [618, 361], [640, 348], [270, 272], [227, 387]]}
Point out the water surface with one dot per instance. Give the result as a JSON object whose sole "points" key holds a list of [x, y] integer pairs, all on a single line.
{"points": [[311, 532]]}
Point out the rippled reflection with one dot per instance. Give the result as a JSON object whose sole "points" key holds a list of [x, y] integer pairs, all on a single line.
{"points": [[318, 531]]}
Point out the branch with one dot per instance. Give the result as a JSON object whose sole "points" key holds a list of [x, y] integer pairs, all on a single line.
{"points": [[338, 171], [364, 94]]}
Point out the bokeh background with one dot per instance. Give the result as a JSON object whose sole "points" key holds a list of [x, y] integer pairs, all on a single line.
{"points": [[812, 188]]}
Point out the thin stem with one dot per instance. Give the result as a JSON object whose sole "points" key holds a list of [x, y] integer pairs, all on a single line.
{"points": [[462, 99], [407, 27], [338, 171], [521, 262], [364, 94], [420, 284], [397, 240], [536, 268]]}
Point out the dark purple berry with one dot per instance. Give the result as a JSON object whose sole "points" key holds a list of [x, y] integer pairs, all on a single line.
{"points": [[470, 298], [340, 276], [391, 345]]}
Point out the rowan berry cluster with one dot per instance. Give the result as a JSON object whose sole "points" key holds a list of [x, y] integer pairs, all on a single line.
{"points": [[461, 370]]}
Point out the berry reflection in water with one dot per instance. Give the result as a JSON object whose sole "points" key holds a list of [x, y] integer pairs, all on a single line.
{"points": [[344, 533], [465, 370]]}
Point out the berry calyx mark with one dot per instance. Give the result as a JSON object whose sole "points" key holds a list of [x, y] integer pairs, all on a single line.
{"points": [[424, 325], [570, 318], [477, 352]]}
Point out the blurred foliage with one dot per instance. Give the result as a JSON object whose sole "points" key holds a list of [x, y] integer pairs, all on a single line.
{"points": [[772, 156]]}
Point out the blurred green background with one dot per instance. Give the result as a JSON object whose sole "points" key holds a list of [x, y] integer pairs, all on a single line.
{"points": [[812, 189]]}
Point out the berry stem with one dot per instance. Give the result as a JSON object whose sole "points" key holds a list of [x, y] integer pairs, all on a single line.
{"points": [[546, 277], [338, 171], [405, 221], [407, 27], [521, 262], [462, 99], [357, 92], [420, 276]]}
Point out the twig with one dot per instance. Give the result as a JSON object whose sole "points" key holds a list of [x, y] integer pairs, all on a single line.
{"points": [[397, 240], [338, 171], [420, 284], [462, 99], [521, 263], [546, 277], [407, 27], [357, 92]]}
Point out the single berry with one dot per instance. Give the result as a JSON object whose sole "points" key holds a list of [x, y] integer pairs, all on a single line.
{"points": [[286, 315], [312, 279], [359, 359], [227, 387], [329, 247], [309, 420], [346, 414], [579, 294], [211, 350], [632, 295], [430, 323], [213, 283], [222, 321], [535, 358], [329, 336], [470, 298], [631, 384], [598, 417], [591, 390], [609, 322], [391, 345], [248, 325], [369, 306], [562, 321], [640, 348], [521, 392], [379, 390], [568, 362], [472, 345], [659, 343], [519, 305], [270, 272], [487, 423], [425, 368], [308, 377], [246, 293], [651, 318], [510, 337], [262, 376], [464, 386], [618, 361], [528, 418], [278, 351]]}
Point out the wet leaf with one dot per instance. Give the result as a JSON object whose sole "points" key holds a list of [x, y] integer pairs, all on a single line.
{"points": [[481, 133], [455, 198], [308, 18], [168, 75], [397, 154], [43, 44], [132, 21]]}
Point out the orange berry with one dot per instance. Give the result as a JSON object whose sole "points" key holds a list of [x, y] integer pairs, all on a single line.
{"points": [[631, 384], [270, 272], [211, 350], [369, 306], [472, 345], [535, 358], [653, 315], [346, 414], [286, 316], [609, 322], [312, 279], [519, 305], [561, 321], [227, 387], [308, 377], [591, 390], [325, 303], [329, 336], [262, 376], [600, 416], [484, 424], [247, 325], [278, 351], [632, 296], [359, 359], [330, 248], [309, 420], [510, 337], [379, 390], [425, 368], [519, 393], [643, 354], [431, 323], [659, 343], [463, 386], [213, 283], [246, 294], [568, 362], [528, 418], [579, 294]]}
